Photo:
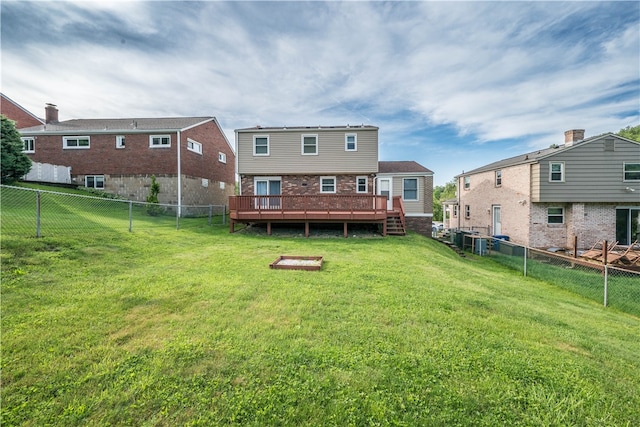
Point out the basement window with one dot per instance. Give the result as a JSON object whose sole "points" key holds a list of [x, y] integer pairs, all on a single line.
{"points": [[555, 215], [94, 181]]}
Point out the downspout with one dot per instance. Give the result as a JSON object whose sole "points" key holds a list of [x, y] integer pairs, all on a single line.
{"points": [[179, 179]]}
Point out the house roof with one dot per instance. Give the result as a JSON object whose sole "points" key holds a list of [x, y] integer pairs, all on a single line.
{"points": [[403, 167], [129, 125], [29, 113], [306, 128], [534, 156]]}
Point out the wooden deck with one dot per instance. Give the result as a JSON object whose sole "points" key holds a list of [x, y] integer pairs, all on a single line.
{"points": [[344, 209]]}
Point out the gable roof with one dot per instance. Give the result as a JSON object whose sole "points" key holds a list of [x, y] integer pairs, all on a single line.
{"points": [[535, 156], [403, 167], [5, 98], [130, 125]]}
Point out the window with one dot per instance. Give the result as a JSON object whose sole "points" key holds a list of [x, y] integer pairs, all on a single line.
{"points": [[631, 171], [120, 141], [467, 211], [94, 181], [498, 178], [309, 144], [75, 142], [455, 211], [156, 141], [555, 215], [327, 184], [410, 188], [351, 142], [467, 182], [261, 145], [222, 158], [29, 145], [362, 184], [194, 146], [556, 172]]}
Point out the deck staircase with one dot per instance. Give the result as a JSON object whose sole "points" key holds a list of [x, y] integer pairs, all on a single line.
{"points": [[395, 225]]}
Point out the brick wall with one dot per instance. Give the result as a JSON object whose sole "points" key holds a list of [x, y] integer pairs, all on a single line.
{"points": [[419, 224], [22, 118], [309, 184]]}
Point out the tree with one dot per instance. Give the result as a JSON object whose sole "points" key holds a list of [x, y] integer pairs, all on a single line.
{"points": [[631, 133], [153, 209], [15, 163], [440, 194]]}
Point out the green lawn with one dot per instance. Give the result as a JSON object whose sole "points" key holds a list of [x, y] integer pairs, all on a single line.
{"points": [[191, 327]]}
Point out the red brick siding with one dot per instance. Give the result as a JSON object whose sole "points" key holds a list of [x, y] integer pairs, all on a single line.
{"points": [[310, 184], [17, 114], [207, 165]]}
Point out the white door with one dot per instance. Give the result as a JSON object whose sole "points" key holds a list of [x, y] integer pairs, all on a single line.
{"points": [[384, 189], [497, 220]]}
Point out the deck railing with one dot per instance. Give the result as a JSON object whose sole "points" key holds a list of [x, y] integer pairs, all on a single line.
{"points": [[354, 203]]}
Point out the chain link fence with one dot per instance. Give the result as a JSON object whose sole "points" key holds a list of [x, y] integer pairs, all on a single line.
{"points": [[612, 285], [38, 213]]}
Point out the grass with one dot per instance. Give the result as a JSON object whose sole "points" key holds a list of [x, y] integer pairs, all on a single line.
{"points": [[191, 327]]}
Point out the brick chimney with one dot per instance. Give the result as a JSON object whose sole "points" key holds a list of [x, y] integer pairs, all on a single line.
{"points": [[50, 113], [572, 136]]}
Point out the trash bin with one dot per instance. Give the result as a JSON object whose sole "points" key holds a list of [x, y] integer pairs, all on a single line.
{"points": [[496, 240]]}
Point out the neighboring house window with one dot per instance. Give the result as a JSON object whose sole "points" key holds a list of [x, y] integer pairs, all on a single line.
{"points": [[222, 158], [555, 215], [467, 182], [351, 142], [467, 211], [632, 171], [498, 178], [194, 146], [327, 184], [261, 145], [120, 141], [309, 144], [156, 141], [94, 181], [556, 172], [75, 142], [455, 211], [410, 188], [29, 145], [362, 184]]}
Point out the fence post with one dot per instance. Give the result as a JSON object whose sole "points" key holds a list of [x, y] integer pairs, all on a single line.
{"points": [[224, 214], [210, 213], [525, 261], [130, 216], [38, 213], [606, 284]]}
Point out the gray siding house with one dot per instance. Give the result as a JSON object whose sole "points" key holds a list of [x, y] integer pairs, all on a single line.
{"points": [[586, 188]]}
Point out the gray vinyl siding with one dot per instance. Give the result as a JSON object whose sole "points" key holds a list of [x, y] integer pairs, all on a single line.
{"points": [[591, 174], [285, 152], [410, 206]]}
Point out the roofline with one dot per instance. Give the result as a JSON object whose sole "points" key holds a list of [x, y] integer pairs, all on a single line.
{"points": [[22, 108], [423, 173], [97, 132], [306, 128]]}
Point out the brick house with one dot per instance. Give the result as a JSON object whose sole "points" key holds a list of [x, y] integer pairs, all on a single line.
{"points": [[14, 111], [190, 156], [586, 188], [335, 167]]}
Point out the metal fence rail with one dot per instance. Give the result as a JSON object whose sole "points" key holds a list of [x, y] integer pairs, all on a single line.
{"points": [[613, 286], [38, 213]]}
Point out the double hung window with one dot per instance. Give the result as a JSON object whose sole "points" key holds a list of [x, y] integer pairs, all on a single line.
{"points": [[556, 172], [309, 144], [327, 184], [261, 145], [29, 145], [410, 188]]}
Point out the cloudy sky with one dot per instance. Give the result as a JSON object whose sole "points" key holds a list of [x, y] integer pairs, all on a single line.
{"points": [[451, 85]]}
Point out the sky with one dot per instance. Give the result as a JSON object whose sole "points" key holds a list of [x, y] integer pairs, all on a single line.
{"points": [[452, 85]]}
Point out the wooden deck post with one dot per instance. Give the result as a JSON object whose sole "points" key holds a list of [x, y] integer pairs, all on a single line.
{"points": [[231, 226], [306, 229], [346, 233], [268, 228]]}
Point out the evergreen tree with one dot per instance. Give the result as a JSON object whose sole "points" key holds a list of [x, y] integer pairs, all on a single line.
{"points": [[15, 163]]}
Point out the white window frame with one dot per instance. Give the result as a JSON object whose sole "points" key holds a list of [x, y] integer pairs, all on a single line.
{"points": [[625, 172], [160, 144], [404, 180], [255, 137], [95, 178], [222, 157], [302, 144], [455, 211], [28, 144], [466, 182], [499, 178], [366, 184], [355, 142], [195, 146], [120, 141], [551, 172], [555, 215], [66, 139], [335, 184]]}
